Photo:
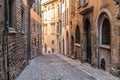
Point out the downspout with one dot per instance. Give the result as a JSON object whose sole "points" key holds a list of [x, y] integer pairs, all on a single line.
{"points": [[30, 2], [5, 38], [28, 36]]}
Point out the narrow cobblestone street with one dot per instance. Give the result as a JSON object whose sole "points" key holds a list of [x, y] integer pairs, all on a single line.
{"points": [[59, 67]]}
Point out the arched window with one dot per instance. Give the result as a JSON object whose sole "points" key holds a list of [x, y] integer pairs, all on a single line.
{"points": [[77, 35], [106, 32]]}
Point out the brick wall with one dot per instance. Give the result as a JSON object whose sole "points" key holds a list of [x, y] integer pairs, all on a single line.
{"points": [[17, 45], [15, 54]]}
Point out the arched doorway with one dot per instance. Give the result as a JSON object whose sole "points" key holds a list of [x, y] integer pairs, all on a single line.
{"points": [[72, 45], [87, 41], [104, 39], [102, 64]]}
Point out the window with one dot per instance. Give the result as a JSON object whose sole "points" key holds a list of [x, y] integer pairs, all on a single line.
{"points": [[117, 1], [62, 1], [52, 12], [12, 13], [67, 16], [71, 24], [60, 27], [106, 32], [57, 28], [58, 11], [45, 29], [52, 41], [22, 19], [45, 15], [48, 8], [79, 4], [38, 6], [52, 50], [52, 4], [40, 30], [34, 5], [73, 5], [35, 43], [53, 28], [83, 2], [34, 27], [37, 27]]}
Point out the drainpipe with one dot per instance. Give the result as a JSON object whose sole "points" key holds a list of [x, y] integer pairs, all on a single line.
{"points": [[30, 2], [97, 51], [5, 39], [28, 36]]}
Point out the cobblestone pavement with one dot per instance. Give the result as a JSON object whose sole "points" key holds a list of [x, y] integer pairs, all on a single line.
{"points": [[59, 67]]}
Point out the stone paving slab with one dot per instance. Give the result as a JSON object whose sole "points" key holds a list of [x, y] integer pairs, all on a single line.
{"points": [[96, 73], [59, 67]]}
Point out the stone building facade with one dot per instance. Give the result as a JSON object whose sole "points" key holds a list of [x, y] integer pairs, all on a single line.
{"points": [[50, 26], [93, 35], [14, 24], [64, 26], [36, 29]]}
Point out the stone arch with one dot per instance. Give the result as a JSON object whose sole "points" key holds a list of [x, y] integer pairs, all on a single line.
{"points": [[87, 52], [103, 14]]}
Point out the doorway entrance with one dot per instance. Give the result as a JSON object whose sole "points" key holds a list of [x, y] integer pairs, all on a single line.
{"points": [[87, 41]]}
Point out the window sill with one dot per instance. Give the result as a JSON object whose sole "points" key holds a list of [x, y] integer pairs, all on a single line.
{"points": [[11, 30], [77, 45], [105, 46]]}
